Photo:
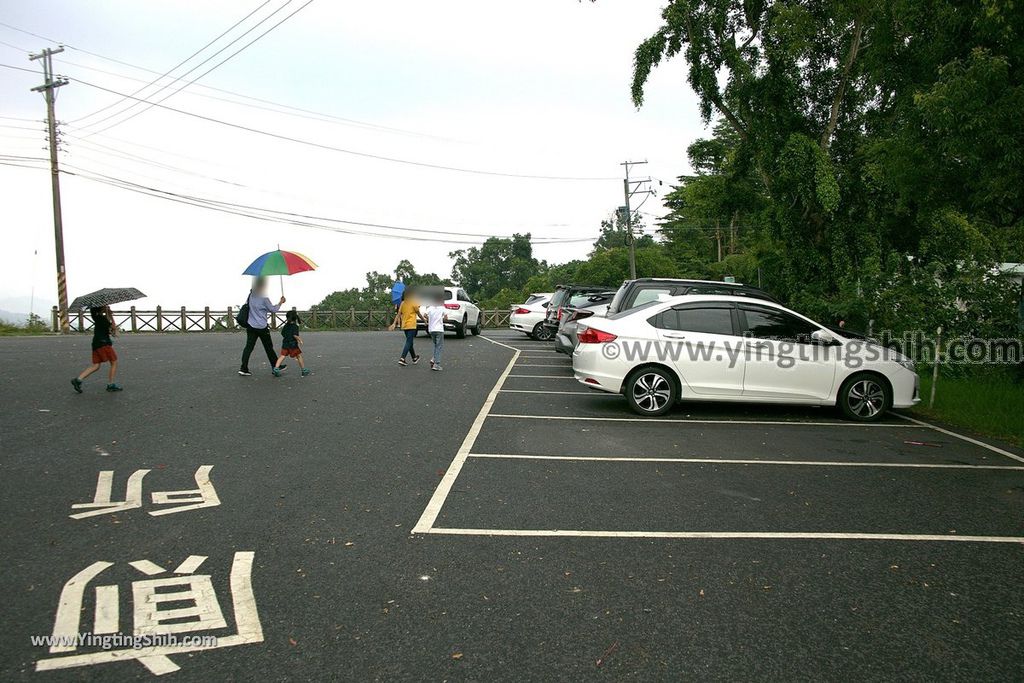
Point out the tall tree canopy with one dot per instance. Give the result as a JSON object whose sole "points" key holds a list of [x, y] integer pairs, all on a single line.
{"points": [[854, 138]]}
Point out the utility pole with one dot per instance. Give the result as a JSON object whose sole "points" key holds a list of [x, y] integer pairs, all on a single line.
{"points": [[630, 188], [48, 88]]}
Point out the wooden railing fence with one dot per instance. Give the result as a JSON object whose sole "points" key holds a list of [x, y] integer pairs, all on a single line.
{"points": [[223, 320]]}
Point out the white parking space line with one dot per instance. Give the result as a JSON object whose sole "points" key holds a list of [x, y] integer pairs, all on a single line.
{"points": [[731, 461], [568, 393], [750, 535], [962, 437], [692, 421], [544, 376], [544, 365], [444, 488]]}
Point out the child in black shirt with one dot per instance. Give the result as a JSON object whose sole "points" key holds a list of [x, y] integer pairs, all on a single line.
{"points": [[102, 348], [291, 343]]}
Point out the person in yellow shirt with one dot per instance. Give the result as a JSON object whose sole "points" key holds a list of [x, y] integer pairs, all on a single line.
{"points": [[406, 316]]}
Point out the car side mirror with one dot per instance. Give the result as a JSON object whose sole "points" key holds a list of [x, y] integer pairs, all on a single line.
{"points": [[822, 337]]}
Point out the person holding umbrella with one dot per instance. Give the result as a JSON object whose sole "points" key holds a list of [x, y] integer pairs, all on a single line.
{"points": [[104, 328], [406, 316], [102, 348], [258, 306], [257, 328]]}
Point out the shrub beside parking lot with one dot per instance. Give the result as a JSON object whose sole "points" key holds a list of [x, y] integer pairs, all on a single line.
{"points": [[987, 400]]}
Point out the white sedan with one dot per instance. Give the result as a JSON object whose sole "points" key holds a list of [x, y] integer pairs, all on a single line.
{"points": [[727, 348], [528, 316]]}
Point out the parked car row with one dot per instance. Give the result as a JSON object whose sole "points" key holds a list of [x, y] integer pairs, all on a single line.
{"points": [[677, 340]]}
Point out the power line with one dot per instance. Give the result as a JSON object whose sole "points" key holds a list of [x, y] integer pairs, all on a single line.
{"points": [[332, 148], [298, 110], [136, 158], [151, 104], [276, 216], [173, 68]]}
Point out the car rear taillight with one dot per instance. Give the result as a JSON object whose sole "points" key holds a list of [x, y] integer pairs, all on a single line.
{"points": [[521, 311], [452, 307], [559, 316], [592, 336], [581, 314]]}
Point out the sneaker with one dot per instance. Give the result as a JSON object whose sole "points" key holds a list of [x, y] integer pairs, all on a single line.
{"points": [[282, 367], [245, 373], [306, 372], [401, 361], [276, 372], [416, 359], [77, 384], [115, 387], [436, 367]]}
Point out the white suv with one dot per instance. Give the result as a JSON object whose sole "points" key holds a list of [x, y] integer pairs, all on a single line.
{"points": [[462, 313]]}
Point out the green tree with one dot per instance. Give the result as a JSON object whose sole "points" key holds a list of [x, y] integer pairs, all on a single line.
{"points": [[500, 263], [866, 132], [615, 233]]}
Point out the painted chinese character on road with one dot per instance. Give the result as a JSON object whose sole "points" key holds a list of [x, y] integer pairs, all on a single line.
{"points": [[203, 496], [164, 604]]}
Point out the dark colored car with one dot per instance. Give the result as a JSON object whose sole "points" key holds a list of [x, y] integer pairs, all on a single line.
{"points": [[579, 307], [637, 292], [562, 298]]}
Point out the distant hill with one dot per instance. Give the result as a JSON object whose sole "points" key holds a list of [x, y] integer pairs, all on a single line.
{"points": [[13, 318], [15, 309]]}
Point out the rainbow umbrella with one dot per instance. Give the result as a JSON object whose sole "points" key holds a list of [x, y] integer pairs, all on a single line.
{"points": [[280, 263]]}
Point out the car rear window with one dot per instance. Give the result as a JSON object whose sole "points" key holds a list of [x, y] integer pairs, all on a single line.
{"points": [[650, 294], [588, 299], [631, 311]]}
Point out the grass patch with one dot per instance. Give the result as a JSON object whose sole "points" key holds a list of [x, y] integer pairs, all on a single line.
{"points": [[988, 401], [9, 330]]}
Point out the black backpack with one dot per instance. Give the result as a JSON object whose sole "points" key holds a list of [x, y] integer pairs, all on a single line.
{"points": [[242, 318]]}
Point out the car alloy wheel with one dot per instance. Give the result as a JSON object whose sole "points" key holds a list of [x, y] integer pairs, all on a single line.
{"points": [[866, 398], [542, 332], [651, 392]]}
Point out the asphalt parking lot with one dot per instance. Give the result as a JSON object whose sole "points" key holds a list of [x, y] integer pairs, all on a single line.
{"points": [[496, 520]]}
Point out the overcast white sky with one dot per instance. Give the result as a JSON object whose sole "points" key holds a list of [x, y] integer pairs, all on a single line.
{"points": [[535, 87]]}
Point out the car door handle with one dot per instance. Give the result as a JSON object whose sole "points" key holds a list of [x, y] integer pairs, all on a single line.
{"points": [[757, 345], [675, 336]]}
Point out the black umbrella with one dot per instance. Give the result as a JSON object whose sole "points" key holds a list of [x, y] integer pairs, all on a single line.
{"points": [[106, 297]]}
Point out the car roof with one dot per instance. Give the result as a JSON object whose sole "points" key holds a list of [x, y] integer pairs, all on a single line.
{"points": [[689, 281], [593, 287]]}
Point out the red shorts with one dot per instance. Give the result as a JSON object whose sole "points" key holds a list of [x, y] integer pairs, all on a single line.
{"points": [[104, 354], [291, 353]]}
